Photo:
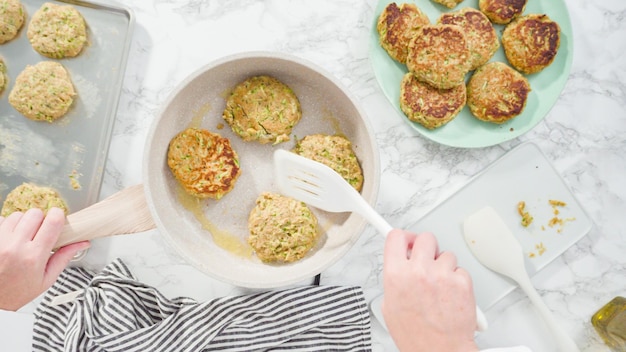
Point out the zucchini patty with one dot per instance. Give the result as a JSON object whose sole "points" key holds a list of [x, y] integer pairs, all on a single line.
{"points": [[282, 229], [262, 109], [203, 162]]}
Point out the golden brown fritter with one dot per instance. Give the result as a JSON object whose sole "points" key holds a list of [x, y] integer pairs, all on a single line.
{"points": [[263, 109], [448, 3], [57, 31], [502, 11], [439, 56], [203, 162], [335, 152], [430, 106], [531, 42], [28, 195], [482, 40], [43, 92], [497, 93], [12, 17], [282, 229], [397, 25]]}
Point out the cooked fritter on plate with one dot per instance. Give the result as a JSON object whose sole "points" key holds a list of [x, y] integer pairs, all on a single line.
{"points": [[203, 162], [12, 17], [28, 195], [531, 42], [497, 93], [397, 25], [430, 106], [438, 55], [335, 152], [480, 34], [448, 3], [4, 80], [57, 31], [502, 11], [262, 109], [43, 92], [282, 229]]}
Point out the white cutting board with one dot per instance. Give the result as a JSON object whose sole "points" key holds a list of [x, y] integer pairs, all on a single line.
{"points": [[523, 174]]}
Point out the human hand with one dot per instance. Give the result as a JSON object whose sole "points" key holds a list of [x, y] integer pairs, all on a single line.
{"points": [[429, 302], [26, 267]]}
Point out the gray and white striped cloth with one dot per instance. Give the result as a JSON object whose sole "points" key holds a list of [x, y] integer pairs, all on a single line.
{"points": [[115, 312]]}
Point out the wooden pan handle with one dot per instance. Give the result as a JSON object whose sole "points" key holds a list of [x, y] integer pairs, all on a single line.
{"points": [[122, 213]]}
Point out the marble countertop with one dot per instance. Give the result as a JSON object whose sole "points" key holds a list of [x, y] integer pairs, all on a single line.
{"points": [[583, 135]]}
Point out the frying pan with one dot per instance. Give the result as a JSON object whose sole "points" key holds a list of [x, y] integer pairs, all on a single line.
{"points": [[211, 234]]}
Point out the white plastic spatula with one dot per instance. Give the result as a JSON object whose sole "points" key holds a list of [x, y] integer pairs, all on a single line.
{"points": [[495, 246], [322, 187]]}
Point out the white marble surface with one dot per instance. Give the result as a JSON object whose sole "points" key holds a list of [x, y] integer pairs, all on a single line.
{"points": [[584, 135]]}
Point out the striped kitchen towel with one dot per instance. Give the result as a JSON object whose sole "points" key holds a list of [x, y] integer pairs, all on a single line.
{"points": [[112, 311]]}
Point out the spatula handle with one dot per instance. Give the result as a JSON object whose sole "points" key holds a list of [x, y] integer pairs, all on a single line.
{"points": [[124, 212], [374, 218], [564, 341]]}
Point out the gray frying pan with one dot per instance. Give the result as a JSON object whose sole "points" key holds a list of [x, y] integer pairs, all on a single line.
{"points": [[211, 234]]}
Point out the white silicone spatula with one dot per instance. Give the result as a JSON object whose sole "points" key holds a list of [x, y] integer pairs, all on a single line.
{"points": [[495, 246], [322, 187]]}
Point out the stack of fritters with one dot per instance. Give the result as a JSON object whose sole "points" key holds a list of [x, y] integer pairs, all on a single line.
{"points": [[437, 61], [439, 57]]}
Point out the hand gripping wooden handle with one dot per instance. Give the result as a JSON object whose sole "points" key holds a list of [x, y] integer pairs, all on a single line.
{"points": [[124, 212]]}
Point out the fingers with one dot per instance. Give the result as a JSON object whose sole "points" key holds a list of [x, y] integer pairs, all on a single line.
{"points": [[50, 229], [9, 223], [425, 248], [397, 243], [465, 276], [422, 249], [59, 261], [397, 250], [28, 224], [447, 260]]}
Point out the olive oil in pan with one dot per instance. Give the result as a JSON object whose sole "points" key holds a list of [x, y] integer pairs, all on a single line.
{"points": [[223, 239], [198, 115]]}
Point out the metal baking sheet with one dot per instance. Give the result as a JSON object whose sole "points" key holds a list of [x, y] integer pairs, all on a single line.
{"points": [[69, 154]]}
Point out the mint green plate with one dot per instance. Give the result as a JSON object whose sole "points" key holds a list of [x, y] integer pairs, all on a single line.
{"points": [[465, 130]]}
